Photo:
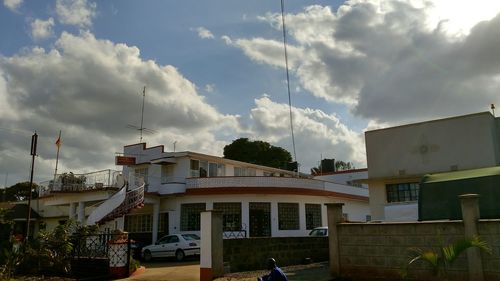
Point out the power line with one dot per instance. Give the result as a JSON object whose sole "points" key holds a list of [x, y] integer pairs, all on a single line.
{"points": [[288, 78]]}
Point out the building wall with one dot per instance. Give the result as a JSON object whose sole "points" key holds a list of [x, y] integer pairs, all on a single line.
{"points": [[381, 251], [345, 177], [463, 142], [355, 210], [243, 255]]}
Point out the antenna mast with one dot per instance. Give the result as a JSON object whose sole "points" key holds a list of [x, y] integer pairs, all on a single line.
{"points": [[142, 111]]}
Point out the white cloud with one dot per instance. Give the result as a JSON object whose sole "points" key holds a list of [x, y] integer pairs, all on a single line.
{"points": [[391, 61], [13, 5], [316, 133], [76, 12], [226, 39], [41, 29], [91, 89], [204, 33], [209, 88]]}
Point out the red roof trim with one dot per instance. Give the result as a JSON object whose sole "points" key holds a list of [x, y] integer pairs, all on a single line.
{"points": [[271, 190]]}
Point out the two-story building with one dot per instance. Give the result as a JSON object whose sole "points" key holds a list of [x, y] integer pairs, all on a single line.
{"points": [[398, 158], [256, 201]]}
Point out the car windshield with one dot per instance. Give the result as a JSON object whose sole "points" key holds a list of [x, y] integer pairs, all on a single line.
{"points": [[318, 232], [190, 237]]}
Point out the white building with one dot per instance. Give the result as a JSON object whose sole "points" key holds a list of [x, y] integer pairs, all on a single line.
{"points": [[398, 157], [256, 200]]}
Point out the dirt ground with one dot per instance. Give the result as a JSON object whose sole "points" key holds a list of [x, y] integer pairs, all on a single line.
{"points": [[315, 271]]}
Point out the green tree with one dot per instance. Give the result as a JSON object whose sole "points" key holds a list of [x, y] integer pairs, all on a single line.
{"points": [[258, 152], [19, 192]]}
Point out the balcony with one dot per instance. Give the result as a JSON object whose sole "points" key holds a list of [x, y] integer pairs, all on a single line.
{"points": [[283, 182], [69, 182]]}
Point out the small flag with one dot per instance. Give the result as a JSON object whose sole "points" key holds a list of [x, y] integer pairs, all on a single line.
{"points": [[58, 142]]}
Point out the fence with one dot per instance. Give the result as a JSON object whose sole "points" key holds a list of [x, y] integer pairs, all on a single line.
{"points": [[100, 255], [69, 182]]}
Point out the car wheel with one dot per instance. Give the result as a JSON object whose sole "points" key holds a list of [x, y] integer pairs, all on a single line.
{"points": [[179, 255], [147, 255]]}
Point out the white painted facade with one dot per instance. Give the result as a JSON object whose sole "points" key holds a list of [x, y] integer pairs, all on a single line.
{"points": [[403, 154], [349, 177], [171, 184]]}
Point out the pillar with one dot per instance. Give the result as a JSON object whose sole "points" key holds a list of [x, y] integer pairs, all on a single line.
{"points": [[81, 212], [156, 216], [72, 210], [211, 255], [334, 215], [470, 215]]}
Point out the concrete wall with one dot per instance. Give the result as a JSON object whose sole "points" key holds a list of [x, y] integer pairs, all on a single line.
{"points": [[345, 177], [379, 251], [252, 253], [466, 142]]}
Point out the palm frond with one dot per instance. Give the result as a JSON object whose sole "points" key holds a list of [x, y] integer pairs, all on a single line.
{"points": [[453, 251]]}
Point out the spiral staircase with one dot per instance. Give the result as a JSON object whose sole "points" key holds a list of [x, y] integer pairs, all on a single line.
{"points": [[120, 204]]}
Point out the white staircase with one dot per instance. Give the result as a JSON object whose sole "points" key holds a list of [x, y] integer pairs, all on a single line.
{"points": [[120, 203]]}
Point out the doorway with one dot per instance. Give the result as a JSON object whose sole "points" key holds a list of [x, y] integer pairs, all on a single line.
{"points": [[260, 219]]}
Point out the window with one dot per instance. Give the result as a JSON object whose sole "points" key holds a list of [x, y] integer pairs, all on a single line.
{"points": [[231, 215], [203, 169], [402, 192], [244, 172], [194, 167], [190, 216], [313, 215], [141, 173], [167, 173], [139, 223], [288, 216]]}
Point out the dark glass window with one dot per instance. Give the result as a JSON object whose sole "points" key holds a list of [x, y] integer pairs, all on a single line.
{"points": [[313, 215], [190, 216], [402, 192], [231, 215], [288, 216]]}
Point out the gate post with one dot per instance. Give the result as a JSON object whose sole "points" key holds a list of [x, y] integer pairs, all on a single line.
{"points": [[470, 216], [211, 252], [334, 215]]}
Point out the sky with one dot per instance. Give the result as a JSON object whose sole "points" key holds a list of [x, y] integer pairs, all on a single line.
{"points": [[214, 71]]}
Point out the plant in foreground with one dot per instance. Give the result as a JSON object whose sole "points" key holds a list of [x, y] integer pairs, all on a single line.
{"points": [[441, 260]]}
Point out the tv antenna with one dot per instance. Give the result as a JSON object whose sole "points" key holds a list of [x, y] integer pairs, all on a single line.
{"points": [[141, 129]]}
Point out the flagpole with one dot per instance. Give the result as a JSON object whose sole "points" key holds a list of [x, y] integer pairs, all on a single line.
{"points": [[58, 144]]}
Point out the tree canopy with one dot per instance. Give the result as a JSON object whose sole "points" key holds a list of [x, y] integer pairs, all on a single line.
{"points": [[258, 152], [18, 192], [330, 165]]}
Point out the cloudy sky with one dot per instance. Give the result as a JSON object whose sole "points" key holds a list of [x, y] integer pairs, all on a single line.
{"points": [[214, 72]]}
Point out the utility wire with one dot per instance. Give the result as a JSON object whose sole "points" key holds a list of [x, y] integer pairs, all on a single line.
{"points": [[288, 78]]}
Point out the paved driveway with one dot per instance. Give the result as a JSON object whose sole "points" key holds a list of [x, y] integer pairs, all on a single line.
{"points": [[166, 270]]}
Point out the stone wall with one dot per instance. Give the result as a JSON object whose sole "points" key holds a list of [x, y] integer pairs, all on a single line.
{"points": [[379, 251], [252, 253]]}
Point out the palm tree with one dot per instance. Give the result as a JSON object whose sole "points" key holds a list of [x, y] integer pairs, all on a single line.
{"points": [[442, 260]]}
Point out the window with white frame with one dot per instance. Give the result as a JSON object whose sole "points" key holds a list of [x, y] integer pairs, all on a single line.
{"points": [[190, 216], [313, 215], [288, 216], [139, 223], [244, 172], [167, 173], [203, 169], [231, 215], [402, 192], [141, 173]]}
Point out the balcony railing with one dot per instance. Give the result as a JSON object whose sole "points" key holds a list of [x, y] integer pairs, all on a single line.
{"points": [[69, 182], [284, 182]]}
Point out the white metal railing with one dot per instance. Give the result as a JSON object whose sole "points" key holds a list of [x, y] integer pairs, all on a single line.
{"points": [[286, 182], [69, 182]]}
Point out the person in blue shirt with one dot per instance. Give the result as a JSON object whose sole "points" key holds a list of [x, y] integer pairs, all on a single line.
{"points": [[276, 273]]}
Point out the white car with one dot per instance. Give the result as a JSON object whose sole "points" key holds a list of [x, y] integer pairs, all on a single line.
{"points": [[319, 231], [175, 245]]}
